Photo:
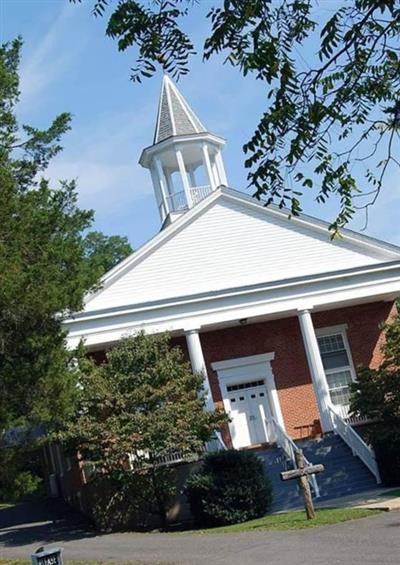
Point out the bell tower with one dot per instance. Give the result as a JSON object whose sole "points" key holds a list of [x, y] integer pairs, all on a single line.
{"points": [[185, 159]]}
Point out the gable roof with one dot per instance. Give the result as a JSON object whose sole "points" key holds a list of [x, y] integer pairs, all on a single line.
{"points": [[175, 116], [227, 241]]}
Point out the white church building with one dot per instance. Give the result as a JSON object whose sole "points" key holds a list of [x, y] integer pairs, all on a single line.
{"points": [[273, 313]]}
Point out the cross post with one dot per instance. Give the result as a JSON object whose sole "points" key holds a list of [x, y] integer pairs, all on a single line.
{"points": [[302, 473]]}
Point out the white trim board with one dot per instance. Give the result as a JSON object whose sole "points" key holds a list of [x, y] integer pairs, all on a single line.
{"points": [[252, 367], [243, 361], [222, 311]]}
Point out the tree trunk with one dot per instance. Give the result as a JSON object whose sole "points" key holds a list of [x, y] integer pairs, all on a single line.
{"points": [[162, 510]]}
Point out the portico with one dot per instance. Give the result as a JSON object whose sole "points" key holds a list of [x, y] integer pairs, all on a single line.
{"points": [[253, 377], [241, 380]]}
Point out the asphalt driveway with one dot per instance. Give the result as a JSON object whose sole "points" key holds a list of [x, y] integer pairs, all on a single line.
{"points": [[369, 541]]}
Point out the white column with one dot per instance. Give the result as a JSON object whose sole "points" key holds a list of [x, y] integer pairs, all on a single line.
{"points": [[207, 164], [198, 364], [185, 180], [159, 197], [215, 172], [316, 368], [221, 169], [273, 398], [162, 183]]}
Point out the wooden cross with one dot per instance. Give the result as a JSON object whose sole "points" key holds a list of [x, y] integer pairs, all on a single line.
{"points": [[302, 473]]}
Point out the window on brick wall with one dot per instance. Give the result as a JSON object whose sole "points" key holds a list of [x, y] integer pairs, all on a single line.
{"points": [[336, 358]]}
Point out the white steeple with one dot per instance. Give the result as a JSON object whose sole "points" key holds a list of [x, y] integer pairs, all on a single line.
{"points": [[185, 159]]}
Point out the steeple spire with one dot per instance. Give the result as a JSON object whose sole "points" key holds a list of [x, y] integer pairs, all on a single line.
{"points": [[175, 116], [185, 159]]}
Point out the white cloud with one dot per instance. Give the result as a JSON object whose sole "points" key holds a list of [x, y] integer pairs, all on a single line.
{"points": [[103, 158], [99, 179], [47, 61], [383, 215]]}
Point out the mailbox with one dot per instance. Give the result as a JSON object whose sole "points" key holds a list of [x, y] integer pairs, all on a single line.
{"points": [[52, 556]]}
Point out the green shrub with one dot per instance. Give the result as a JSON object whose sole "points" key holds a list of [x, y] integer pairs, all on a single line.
{"points": [[26, 484], [231, 487], [376, 397], [387, 451], [19, 474]]}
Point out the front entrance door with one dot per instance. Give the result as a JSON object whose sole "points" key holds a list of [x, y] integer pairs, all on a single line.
{"points": [[248, 409]]}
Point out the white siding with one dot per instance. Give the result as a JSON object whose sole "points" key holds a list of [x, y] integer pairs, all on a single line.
{"points": [[229, 245]]}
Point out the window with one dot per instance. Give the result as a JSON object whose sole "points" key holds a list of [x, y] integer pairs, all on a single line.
{"points": [[241, 386], [337, 364]]}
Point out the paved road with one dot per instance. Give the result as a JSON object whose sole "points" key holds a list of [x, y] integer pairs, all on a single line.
{"points": [[370, 541]]}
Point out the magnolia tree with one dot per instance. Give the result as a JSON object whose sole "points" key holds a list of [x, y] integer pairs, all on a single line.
{"points": [[141, 405], [376, 396]]}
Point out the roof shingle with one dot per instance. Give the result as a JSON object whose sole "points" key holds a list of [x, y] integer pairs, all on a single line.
{"points": [[175, 117]]}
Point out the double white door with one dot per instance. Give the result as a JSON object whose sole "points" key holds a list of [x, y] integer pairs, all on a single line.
{"points": [[248, 408]]}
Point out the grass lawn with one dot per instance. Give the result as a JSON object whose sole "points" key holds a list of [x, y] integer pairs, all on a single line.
{"points": [[296, 520]]}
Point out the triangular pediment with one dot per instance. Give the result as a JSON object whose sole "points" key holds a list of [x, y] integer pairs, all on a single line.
{"points": [[229, 241]]}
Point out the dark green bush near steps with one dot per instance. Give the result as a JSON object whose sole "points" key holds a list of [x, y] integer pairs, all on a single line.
{"points": [[231, 487], [387, 451]]}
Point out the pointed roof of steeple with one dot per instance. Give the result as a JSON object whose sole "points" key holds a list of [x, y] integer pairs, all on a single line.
{"points": [[175, 116]]}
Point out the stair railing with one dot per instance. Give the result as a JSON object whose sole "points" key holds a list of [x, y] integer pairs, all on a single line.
{"points": [[355, 442], [288, 446], [216, 443]]}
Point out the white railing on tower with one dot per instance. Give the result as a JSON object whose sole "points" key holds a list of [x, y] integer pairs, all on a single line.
{"points": [[198, 193], [178, 201], [355, 442], [285, 442]]}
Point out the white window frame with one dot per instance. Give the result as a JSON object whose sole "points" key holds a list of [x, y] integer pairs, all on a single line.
{"points": [[342, 331]]}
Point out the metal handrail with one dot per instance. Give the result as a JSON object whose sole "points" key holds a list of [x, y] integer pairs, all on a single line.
{"points": [[355, 442], [288, 446]]}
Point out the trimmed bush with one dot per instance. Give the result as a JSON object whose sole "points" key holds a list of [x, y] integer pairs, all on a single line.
{"points": [[231, 487]]}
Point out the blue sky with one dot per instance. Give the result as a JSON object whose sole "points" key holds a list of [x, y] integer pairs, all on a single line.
{"points": [[69, 65]]}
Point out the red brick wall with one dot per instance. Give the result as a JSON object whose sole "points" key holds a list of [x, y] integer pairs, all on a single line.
{"points": [[363, 331], [292, 377]]}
